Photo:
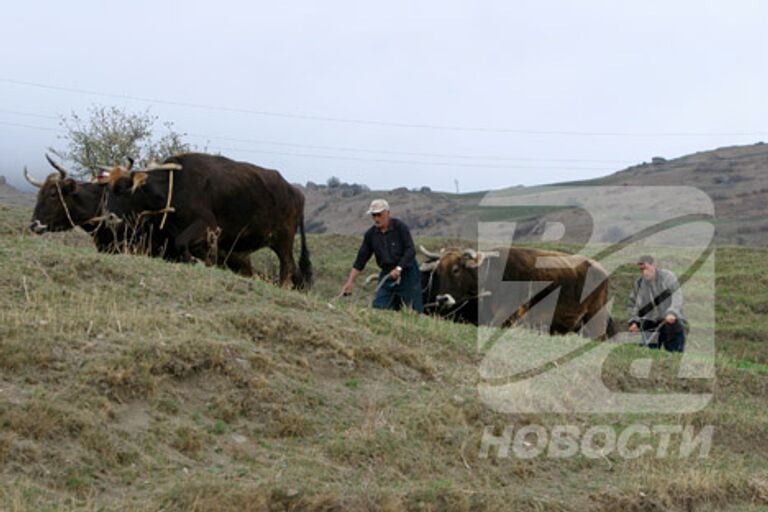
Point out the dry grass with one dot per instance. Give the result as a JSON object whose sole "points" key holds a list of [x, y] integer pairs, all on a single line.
{"points": [[129, 383]]}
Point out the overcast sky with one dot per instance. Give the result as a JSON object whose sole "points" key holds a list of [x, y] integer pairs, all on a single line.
{"points": [[398, 93]]}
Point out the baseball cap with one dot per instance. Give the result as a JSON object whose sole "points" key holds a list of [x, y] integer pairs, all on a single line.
{"points": [[646, 259], [378, 206]]}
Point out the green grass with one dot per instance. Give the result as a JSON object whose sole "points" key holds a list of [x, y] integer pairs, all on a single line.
{"points": [[129, 383]]}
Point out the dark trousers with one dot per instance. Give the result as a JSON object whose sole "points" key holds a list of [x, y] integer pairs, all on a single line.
{"points": [[669, 336], [392, 295]]}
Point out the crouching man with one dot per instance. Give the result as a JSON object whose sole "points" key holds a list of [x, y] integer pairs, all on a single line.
{"points": [[656, 307], [389, 239]]}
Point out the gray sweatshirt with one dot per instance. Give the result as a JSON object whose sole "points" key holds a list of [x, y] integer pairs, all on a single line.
{"points": [[645, 291]]}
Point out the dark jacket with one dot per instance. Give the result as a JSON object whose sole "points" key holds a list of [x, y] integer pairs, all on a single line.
{"points": [[392, 249]]}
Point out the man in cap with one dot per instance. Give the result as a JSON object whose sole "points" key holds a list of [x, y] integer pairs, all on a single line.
{"points": [[656, 307], [389, 239]]}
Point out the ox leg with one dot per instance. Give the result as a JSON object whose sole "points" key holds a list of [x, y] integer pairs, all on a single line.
{"points": [[238, 262], [283, 247], [193, 241], [598, 319], [596, 326]]}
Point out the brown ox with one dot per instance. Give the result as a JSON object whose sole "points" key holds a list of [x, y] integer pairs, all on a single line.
{"points": [[210, 207], [556, 291]]}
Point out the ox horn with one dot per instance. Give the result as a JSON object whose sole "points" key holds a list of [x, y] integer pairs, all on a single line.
{"points": [[130, 163], [428, 266], [429, 254], [58, 167], [32, 180]]}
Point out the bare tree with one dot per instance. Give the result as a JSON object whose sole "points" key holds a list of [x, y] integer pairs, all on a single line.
{"points": [[108, 135]]}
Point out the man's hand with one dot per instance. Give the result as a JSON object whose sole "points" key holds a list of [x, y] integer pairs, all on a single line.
{"points": [[633, 327], [347, 288], [671, 318], [395, 274]]}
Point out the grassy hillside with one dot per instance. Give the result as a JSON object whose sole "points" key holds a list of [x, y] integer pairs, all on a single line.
{"points": [[130, 383]]}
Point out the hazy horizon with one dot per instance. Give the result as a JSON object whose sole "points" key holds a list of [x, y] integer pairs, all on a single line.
{"points": [[397, 94]]}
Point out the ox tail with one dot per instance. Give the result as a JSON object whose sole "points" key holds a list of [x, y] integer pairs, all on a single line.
{"points": [[305, 266], [610, 328]]}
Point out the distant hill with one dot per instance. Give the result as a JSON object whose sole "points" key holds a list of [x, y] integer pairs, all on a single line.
{"points": [[341, 209], [736, 178], [9, 195]]}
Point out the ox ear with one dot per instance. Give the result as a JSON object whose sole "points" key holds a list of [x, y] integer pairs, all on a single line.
{"points": [[470, 263], [68, 186], [470, 259], [138, 179], [473, 259]]}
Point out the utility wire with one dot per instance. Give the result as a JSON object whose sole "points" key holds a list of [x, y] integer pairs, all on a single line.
{"points": [[406, 153], [26, 114], [413, 162], [342, 120], [356, 150], [358, 159], [32, 127]]}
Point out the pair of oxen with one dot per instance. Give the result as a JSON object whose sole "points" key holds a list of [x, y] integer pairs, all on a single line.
{"points": [[551, 291], [198, 206], [192, 206]]}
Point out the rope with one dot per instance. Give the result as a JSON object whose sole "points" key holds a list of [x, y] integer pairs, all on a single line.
{"points": [[648, 337], [168, 208], [386, 278], [99, 219], [64, 204]]}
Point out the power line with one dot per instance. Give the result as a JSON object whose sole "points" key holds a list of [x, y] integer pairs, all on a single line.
{"points": [[407, 153], [342, 120], [367, 150], [358, 159], [32, 127], [26, 114], [414, 162]]}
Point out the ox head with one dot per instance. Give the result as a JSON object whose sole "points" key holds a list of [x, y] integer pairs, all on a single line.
{"points": [[62, 202], [132, 192], [450, 277]]}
